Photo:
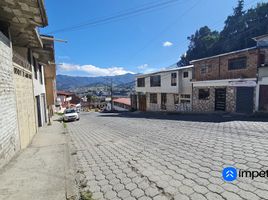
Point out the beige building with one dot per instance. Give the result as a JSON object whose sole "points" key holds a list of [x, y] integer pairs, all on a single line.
{"points": [[19, 40], [166, 90]]}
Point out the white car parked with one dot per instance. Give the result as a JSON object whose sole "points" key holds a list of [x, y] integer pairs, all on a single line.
{"points": [[70, 115]]}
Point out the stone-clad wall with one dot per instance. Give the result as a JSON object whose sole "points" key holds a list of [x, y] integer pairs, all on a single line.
{"points": [[9, 136], [209, 104]]}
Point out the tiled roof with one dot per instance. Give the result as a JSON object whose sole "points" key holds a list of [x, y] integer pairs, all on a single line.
{"points": [[125, 101]]}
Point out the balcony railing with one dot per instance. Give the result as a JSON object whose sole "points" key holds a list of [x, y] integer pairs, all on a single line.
{"points": [[21, 61]]}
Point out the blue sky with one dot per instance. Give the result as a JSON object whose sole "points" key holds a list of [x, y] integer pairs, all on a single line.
{"points": [[137, 44]]}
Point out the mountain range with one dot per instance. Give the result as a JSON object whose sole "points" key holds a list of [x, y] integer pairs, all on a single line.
{"points": [[65, 82]]}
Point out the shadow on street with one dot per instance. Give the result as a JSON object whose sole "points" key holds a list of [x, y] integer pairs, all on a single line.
{"points": [[213, 118]]}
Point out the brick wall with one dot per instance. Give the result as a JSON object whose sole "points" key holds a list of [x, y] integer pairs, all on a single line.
{"points": [[219, 67], [9, 137]]}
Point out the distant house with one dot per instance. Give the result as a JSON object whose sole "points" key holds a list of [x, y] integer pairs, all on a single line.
{"points": [[228, 82], [122, 104], [166, 90], [63, 100]]}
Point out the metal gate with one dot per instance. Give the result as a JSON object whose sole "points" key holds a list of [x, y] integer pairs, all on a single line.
{"points": [[220, 99], [244, 99], [263, 98]]}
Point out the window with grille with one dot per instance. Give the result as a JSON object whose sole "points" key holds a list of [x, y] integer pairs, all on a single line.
{"points": [[155, 81], [237, 63], [141, 82], [153, 98], [173, 79], [203, 94]]}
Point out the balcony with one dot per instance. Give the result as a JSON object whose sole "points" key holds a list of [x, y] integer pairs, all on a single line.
{"points": [[21, 61]]}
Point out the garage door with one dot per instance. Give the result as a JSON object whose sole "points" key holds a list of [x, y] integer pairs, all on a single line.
{"points": [[244, 99], [263, 104]]}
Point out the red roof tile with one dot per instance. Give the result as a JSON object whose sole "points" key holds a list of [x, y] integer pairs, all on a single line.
{"points": [[125, 101]]}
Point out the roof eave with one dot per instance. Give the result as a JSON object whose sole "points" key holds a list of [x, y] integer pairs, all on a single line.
{"points": [[43, 12]]}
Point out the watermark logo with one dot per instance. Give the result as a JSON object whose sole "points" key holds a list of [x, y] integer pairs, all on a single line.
{"points": [[229, 174]]}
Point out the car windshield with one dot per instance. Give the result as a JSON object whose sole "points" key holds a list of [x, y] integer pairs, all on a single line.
{"points": [[69, 111]]}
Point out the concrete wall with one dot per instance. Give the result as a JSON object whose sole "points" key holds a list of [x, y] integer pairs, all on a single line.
{"points": [[165, 84], [183, 86], [9, 135], [40, 91], [262, 80], [25, 106]]}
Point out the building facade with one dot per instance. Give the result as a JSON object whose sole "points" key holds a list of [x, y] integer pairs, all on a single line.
{"points": [[262, 82], [19, 40], [227, 82], [167, 90]]}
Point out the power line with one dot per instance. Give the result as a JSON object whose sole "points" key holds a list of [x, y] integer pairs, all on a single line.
{"points": [[120, 15], [164, 30]]}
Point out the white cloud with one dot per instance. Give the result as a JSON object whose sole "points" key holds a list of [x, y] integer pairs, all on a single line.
{"points": [[144, 66], [92, 70], [167, 44]]}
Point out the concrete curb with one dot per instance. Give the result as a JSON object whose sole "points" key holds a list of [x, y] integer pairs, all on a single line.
{"points": [[72, 191]]}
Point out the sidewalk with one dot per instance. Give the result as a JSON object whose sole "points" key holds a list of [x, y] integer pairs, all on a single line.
{"points": [[42, 171]]}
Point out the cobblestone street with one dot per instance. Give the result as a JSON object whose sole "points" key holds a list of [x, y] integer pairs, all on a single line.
{"points": [[131, 156]]}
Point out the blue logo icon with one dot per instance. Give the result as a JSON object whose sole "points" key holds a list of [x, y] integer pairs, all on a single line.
{"points": [[229, 174]]}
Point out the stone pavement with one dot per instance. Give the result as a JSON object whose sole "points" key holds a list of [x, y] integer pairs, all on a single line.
{"points": [[42, 171], [133, 157]]}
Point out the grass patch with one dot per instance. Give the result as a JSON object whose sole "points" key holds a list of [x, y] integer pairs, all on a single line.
{"points": [[86, 195]]}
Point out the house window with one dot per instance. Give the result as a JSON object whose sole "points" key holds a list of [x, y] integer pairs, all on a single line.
{"points": [[141, 82], [185, 96], [203, 94], [185, 101], [173, 79], [176, 99], [185, 74], [40, 74], [237, 63], [153, 98], [155, 81], [35, 68], [205, 69], [262, 60]]}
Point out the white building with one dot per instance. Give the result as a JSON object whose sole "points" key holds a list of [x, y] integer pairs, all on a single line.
{"points": [[262, 83], [39, 92], [166, 90]]}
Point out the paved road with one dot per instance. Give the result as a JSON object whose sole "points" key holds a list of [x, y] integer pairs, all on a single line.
{"points": [[137, 156]]}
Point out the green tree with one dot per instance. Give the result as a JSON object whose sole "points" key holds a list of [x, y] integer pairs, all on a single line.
{"points": [[238, 31], [200, 45]]}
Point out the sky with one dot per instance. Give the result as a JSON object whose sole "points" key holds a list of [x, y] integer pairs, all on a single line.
{"points": [[139, 43]]}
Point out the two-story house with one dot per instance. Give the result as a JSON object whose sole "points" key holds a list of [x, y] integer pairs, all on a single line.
{"points": [[166, 90], [262, 82], [227, 82], [19, 39]]}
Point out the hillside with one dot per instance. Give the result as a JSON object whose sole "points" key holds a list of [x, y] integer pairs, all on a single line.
{"points": [[65, 82]]}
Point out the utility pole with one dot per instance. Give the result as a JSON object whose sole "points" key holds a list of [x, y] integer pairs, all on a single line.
{"points": [[111, 90]]}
